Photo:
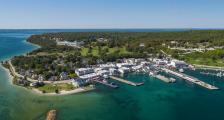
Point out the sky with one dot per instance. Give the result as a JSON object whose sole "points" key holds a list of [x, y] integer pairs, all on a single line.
{"points": [[84, 14]]}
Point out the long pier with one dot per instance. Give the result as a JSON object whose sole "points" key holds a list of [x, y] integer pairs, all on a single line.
{"points": [[126, 81], [190, 79]]}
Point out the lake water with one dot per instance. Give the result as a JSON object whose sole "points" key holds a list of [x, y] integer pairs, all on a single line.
{"points": [[155, 100]]}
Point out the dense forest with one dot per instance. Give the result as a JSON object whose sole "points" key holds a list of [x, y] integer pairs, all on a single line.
{"points": [[132, 39]]}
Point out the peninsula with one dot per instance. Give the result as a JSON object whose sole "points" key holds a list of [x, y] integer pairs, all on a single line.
{"points": [[68, 62]]}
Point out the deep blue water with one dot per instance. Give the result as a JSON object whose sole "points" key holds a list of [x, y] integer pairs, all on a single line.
{"points": [[155, 100]]}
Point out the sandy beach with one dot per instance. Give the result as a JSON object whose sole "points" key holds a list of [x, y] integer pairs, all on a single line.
{"points": [[63, 92]]}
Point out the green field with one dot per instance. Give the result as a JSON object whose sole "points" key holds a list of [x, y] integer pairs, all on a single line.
{"points": [[209, 58], [95, 51], [49, 88], [206, 61]]}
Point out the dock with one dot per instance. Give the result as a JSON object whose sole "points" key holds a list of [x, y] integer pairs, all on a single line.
{"points": [[190, 79], [101, 80], [165, 79], [126, 81], [106, 84]]}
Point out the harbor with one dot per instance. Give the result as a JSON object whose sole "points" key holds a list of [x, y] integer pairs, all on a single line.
{"points": [[100, 74], [122, 102], [190, 79]]}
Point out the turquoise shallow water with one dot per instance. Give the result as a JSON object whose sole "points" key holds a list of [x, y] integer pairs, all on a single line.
{"points": [[153, 101]]}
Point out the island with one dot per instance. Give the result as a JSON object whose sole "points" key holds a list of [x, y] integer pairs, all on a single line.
{"points": [[72, 62]]}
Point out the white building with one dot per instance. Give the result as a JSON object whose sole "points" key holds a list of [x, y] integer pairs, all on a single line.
{"points": [[130, 60], [178, 64], [160, 61], [102, 40], [72, 44], [88, 76], [78, 82], [127, 65], [136, 68], [139, 60], [103, 72], [124, 70], [107, 66], [142, 45], [114, 72], [84, 71]]}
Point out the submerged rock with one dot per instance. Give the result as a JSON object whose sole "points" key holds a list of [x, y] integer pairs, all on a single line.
{"points": [[51, 115]]}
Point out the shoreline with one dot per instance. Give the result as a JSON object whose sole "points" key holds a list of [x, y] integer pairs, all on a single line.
{"points": [[208, 67], [38, 92], [63, 92], [35, 90], [8, 74]]}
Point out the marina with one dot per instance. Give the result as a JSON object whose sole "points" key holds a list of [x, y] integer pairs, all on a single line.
{"points": [[219, 74], [122, 102], [190, 79]]}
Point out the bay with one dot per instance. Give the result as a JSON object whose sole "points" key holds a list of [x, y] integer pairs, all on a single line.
{"points": [[155, 100]]}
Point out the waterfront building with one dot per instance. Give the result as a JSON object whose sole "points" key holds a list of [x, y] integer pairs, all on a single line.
{"points": [[84, 71], [78, 82], [103, 73], [178, 64], [127, 65], [160, 61], [114, 72], [136, 68], [88, 76], [123, 70]]}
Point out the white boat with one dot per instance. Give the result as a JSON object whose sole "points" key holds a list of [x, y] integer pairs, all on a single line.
{"points": [[152, 73], [105, 76], [181, 70], [172, 80], [219, 74]]}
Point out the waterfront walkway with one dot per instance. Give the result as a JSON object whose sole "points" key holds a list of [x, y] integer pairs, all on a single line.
{"points": [[126, 81]]}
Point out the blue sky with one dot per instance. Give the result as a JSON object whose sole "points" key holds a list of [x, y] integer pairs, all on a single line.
{"points": [[111, 14]]}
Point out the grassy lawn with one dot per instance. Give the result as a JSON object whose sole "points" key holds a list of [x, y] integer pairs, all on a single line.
{"points": [[50, 88], [206, 61], [95, 51], [209, 58]]}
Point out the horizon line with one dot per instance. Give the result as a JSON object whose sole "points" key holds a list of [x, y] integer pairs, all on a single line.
{"points": [[106, 28]]}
